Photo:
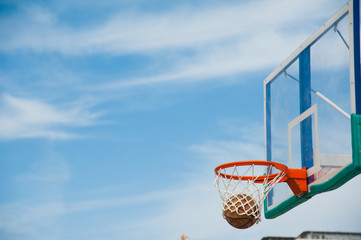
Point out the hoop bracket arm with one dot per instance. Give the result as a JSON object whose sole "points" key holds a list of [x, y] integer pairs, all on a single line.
{"points": [[297, 181]]}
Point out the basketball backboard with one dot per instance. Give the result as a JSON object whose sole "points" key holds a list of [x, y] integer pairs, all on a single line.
{"points": [[312, 104]]}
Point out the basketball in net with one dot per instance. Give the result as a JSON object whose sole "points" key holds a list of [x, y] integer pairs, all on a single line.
{"points": [[241, 211], [243, 186]]}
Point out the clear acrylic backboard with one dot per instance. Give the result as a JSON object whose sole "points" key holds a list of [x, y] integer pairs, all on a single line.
{"points": [[312, 110]]}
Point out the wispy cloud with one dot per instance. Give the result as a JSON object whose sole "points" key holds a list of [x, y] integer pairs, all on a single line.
{"points": [[205, 42], [52, 170], [246, 144], [223, 42], [215, 61], [33, 222], [31, 118], [139, 31], [193, 208]]}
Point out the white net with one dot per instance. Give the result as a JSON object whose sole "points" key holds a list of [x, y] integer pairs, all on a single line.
{"points": [[245, 192]]}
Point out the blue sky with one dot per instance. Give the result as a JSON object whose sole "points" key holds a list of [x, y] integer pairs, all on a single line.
{"points": [[114, 114]]}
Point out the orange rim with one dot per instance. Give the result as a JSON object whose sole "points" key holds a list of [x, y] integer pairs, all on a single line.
{"points": [[257, 179]]}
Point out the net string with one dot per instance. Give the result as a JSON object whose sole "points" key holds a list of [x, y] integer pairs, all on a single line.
{"points": [[238, 190]]}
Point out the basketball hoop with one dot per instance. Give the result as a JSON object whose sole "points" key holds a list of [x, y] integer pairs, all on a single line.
{"points": [[244, 185]]}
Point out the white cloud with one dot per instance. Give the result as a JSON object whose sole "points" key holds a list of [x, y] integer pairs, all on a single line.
{"points": [[246, 144], [229, 151], [219, 60], [29, 221], [224, 40], [29, 118], [193, 208], [139, 31], [53, 170]]}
